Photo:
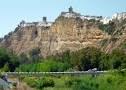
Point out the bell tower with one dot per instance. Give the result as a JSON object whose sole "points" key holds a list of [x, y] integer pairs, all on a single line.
{"points": [[44, 19], [70, 9]]}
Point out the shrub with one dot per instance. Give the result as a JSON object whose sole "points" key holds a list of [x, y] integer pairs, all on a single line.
{"points": [[31, 81], [71, 81], [81, 84], [118, 59], [8, 60], [87, 58], [45, 82], [45, 66], [39, 82]]}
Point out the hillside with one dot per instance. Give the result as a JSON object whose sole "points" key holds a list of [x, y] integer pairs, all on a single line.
{"points": [[65, 33], [70, 31], [117, 36]]}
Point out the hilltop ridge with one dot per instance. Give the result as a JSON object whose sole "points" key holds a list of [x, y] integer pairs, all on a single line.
{"points": [[70, 31]]}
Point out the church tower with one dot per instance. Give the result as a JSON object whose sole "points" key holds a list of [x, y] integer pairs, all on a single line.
{"points": [[44, 19], [70, 9]]}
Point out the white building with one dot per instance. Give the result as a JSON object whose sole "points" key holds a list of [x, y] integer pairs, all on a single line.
{"points": [[73, 14], [106, 20], [119, 16], [43, 23], [26, 24], [48, 24], [83, 17], [70, 13]]}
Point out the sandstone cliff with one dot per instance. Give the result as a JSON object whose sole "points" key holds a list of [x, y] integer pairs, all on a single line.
{"points": [[64, 34], [117, 38]]}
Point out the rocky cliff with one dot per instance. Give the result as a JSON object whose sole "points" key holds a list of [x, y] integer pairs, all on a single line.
{"points": [[64, 34], [117, 37]]}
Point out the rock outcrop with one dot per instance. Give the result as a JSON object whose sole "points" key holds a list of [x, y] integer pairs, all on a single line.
{"points": [[66, 33]]}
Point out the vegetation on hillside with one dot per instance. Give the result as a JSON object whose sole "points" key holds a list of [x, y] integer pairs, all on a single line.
{"points": [[109, 28], [111, 81], [8, 60], [82, 60]]}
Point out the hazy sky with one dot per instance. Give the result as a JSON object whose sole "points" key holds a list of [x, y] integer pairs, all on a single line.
{"points": [[13, 11]]}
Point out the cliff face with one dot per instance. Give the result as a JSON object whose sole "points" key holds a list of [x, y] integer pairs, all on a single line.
{"points": [[75, 33], [117, 38], [64, 34]]}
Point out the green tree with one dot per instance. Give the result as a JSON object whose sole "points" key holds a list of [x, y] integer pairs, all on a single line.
{"points": [[8, 58], [4, 57], [86, 58], [118, 59], [105, 62]]}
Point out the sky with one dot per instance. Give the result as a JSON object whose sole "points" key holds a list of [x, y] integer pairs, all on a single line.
{"points": [[14, 11]]}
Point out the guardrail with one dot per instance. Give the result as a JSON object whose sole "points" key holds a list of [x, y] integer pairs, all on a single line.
{"points": [[55, 73]]}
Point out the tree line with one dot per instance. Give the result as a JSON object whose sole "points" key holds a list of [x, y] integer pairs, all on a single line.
{"points": [[81, 60]]}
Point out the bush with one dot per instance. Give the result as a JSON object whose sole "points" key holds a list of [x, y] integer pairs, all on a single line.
{"points": [[45, 66], [118, 59], [111, 81], [86, 58], [85, 83], [31, 81], [39, 83], [71, 81], [8, 60], [45, 82]]}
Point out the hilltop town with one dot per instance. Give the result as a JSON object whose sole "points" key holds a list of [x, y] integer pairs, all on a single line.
{"points": [[70, 31], [72, 14]]}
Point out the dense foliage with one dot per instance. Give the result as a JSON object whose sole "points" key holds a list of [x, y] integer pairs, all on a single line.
{"points": [[45, 66], [8, 60], [84, 59], [110, 81], [39, 83]]}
